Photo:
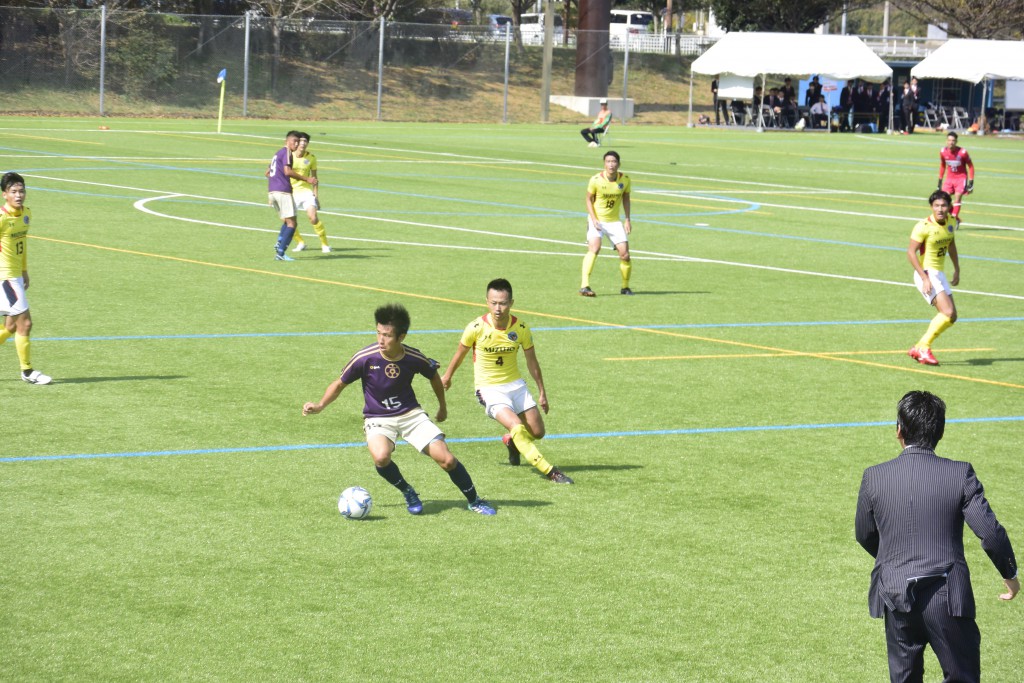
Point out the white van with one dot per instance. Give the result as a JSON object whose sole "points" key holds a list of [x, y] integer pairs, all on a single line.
{"points": [[629, 21], [531, 27]]}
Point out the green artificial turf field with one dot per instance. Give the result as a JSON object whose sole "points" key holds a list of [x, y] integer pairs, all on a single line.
{"points": [[169, 514]]}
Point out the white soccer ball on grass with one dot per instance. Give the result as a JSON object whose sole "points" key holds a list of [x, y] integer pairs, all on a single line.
{"points": [[355, 503]]}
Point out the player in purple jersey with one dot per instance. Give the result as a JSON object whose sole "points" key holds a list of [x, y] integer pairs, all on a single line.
{"points": [[386, 370], [279, 186]]}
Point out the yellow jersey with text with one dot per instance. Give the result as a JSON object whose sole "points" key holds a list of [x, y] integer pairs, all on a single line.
{"points": [[13, 238], [608, 195], [495, 351], [936, 238], [306, 166]]}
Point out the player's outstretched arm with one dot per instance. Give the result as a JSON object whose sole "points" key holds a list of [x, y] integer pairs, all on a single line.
{"points": [[334, 390], [533, 365], [460, 355], [912, 251], [442, 406], [954, 257], [590, 209], [1012, 588]]}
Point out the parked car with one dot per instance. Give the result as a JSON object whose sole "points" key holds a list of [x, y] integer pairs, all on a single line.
{"points": [[497, 23], [631, 22], [531, 27]]}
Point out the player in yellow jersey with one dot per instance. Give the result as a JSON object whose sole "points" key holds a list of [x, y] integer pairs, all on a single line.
{"points": [[606, 192], [307, 196], [495, 339], [15, 218], [934, 238]]}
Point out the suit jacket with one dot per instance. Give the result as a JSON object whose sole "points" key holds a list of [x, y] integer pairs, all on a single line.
{"points": [[910, 517]]}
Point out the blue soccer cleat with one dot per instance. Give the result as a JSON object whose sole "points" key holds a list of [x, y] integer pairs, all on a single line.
{"points": [[482, 507], [412, 501]]}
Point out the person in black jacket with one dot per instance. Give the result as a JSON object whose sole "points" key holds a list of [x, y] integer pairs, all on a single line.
{"points": [[910, 517]]}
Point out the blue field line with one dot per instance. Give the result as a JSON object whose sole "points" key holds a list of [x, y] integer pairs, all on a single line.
{"points": [[485, 439], [535, 212], [535, 328]]}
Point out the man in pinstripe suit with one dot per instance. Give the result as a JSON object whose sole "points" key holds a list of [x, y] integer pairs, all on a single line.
{"points": [[910, 517]]}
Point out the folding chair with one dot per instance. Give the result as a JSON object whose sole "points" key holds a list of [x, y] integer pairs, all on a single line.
{"points": [[769, 117], [603, 135], [931, 117], [960, 117], [751, 119]]}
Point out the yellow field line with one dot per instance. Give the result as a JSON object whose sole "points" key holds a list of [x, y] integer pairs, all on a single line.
{"points": [[40, 137], [539, 314], [711, 356]]}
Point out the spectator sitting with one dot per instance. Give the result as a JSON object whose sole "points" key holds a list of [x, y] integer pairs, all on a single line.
{"points": [[739, 111], [819, 113], [813, 92], [786, 112], [604, 117], [758, 99], [787, 90]]}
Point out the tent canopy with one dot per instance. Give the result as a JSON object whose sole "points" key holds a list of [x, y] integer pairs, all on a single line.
{"points": [[793, 54], [974, 61]]}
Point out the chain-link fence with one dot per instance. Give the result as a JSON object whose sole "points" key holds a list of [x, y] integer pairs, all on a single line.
{"points": [[115, 63]]}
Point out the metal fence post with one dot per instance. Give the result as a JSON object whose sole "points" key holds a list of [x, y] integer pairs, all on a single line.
{"points": [[103, 52], [508, 42], [380, 68], [245, 66], [625, 78]]}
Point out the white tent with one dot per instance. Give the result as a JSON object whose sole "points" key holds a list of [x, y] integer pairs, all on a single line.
{"points": [[974, 61], [790, 54]]}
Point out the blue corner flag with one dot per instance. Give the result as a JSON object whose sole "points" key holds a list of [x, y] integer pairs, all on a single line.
{"points": [[222, 76]]}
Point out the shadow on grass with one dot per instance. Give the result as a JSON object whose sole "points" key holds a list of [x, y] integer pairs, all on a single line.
{"points": [[668, 292], [599, 468], [123, 378], [434, 507], [981, 362]]}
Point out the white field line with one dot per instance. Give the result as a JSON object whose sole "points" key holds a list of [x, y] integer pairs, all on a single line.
{"points": [[141, 205]]}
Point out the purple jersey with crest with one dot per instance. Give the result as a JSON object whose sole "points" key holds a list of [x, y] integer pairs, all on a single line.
{"points": [[278, 181], [387, 384]]}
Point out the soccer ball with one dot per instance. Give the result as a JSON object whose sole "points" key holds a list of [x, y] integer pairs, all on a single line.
{"points": [[355, 503]]}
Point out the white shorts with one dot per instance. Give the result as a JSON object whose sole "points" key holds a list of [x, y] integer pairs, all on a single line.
{"points": [[939, 284], [283, 203], [13, 299], [416, 427], [614, 231], [514, 395], [305, 199]]}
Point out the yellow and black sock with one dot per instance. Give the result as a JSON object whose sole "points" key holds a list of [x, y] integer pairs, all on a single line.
{"points": [[940, 323], [588, 268], [524, 441], [24, 349]]}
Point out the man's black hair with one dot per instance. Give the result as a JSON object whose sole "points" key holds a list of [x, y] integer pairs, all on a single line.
{"points": [[10, 178], [394, 315], [921, 419], [500, 284]]}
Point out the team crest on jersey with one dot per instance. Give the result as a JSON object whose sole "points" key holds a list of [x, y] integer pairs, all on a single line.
{"points": [[621, 185], [392, 370], [513, 336]]}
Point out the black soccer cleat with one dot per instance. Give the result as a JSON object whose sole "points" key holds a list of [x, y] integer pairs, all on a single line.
{"points": [[556, 475], [513, 452]]}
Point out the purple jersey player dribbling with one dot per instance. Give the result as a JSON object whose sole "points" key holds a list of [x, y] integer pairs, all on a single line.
{"points": [[391, 411]]}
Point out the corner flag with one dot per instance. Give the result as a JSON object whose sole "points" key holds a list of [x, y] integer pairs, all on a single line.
{"points": [[222, 78]]}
